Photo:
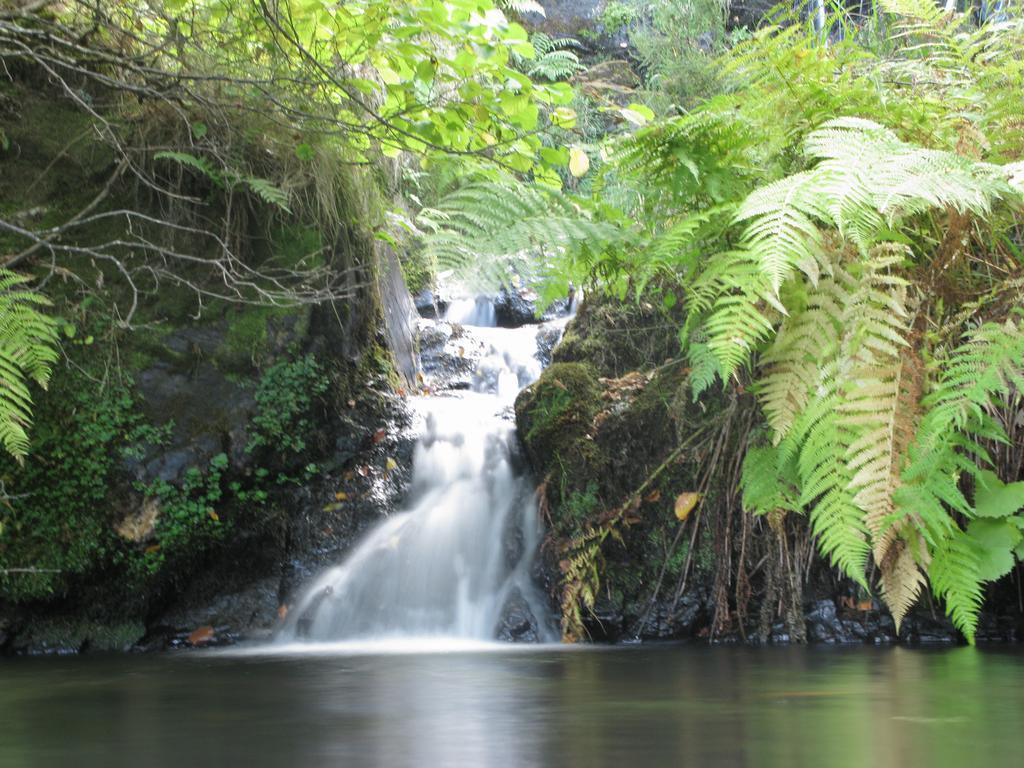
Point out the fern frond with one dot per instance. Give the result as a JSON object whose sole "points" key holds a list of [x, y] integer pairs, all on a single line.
{"points": [[268, 192], [792, 365], [902, 575], [484, 232], [28, 341], [200, 164], [956, 580], [837, 522]]}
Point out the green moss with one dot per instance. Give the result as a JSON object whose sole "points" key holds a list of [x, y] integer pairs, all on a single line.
{"points": [[256, 333], [576, 509], [417, 270], [63, 634], [616, 338], [558, 409]]}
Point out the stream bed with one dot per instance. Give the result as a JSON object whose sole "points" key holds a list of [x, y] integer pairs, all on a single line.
{"points": [[481, 705]]}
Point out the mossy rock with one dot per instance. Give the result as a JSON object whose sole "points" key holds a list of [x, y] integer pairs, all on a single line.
{"points": [[555, 414], [73, 635], [616, 338]]}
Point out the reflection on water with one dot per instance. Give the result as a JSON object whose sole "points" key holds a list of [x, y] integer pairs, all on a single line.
{"points": [[516, 707]]}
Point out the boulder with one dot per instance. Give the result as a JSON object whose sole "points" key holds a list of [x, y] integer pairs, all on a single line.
{"points": [[518, 624]]}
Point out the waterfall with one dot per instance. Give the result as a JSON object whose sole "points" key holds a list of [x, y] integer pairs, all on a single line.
{"points": [[457, 559]]}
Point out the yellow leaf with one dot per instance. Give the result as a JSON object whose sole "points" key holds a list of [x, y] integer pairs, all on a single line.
{"points": [[579, 163], [340, 496], [685, 502], [391, 464], [202, 635], [213, 515]]}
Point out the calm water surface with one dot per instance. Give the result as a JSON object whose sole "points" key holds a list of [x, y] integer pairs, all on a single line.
{"points": [[663, 706]]}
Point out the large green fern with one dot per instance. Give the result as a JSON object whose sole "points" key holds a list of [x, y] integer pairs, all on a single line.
{"points": [[840, 382], [27, 350]]}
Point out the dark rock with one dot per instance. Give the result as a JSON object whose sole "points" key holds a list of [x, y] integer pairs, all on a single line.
{"points": [[606, 622], [547, 337], [822, 622], [448, 357], [612, 82], [748, 13], [579, 19], [232, 614], [515, 307], [429, 305], [518, 623]]}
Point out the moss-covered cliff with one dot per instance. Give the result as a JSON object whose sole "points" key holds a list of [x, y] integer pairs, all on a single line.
{"points": [[192, 468]]}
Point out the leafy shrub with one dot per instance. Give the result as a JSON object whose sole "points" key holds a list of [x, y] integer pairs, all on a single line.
{"points": [[285, 398]]}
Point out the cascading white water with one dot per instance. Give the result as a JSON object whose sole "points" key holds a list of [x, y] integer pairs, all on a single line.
{"points": [[451, 564]]}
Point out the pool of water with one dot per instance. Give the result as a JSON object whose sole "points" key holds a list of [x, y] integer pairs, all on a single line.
{"points": [[479, 706]]}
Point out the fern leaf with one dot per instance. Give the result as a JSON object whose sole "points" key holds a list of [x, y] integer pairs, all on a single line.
{"points": [[28, 341], [268, 192], [955, 579]]}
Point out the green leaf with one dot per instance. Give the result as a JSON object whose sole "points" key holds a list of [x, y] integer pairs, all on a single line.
{"points": [[199, 130], [994, 498], [637, 114], [995, 541], [304, 152], [564, 117]]}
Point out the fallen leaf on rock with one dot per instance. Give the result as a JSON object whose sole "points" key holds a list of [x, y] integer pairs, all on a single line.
{"points": [[363, 470], [653, 496], [202, 635], [340, 496], [390, 464], [282, 612], [379, 435], [685, 502], [351, 403]]}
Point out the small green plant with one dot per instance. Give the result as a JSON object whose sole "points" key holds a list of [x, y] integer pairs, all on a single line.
{"points": [[284, 405], [578, 506], [187, 512], [616, 16], [55, 523]]}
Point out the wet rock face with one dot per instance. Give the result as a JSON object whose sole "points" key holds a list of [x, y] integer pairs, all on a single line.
{"points": [[518, 624], [430, 305], [514, 308], [448, 356], [748, 13]]}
